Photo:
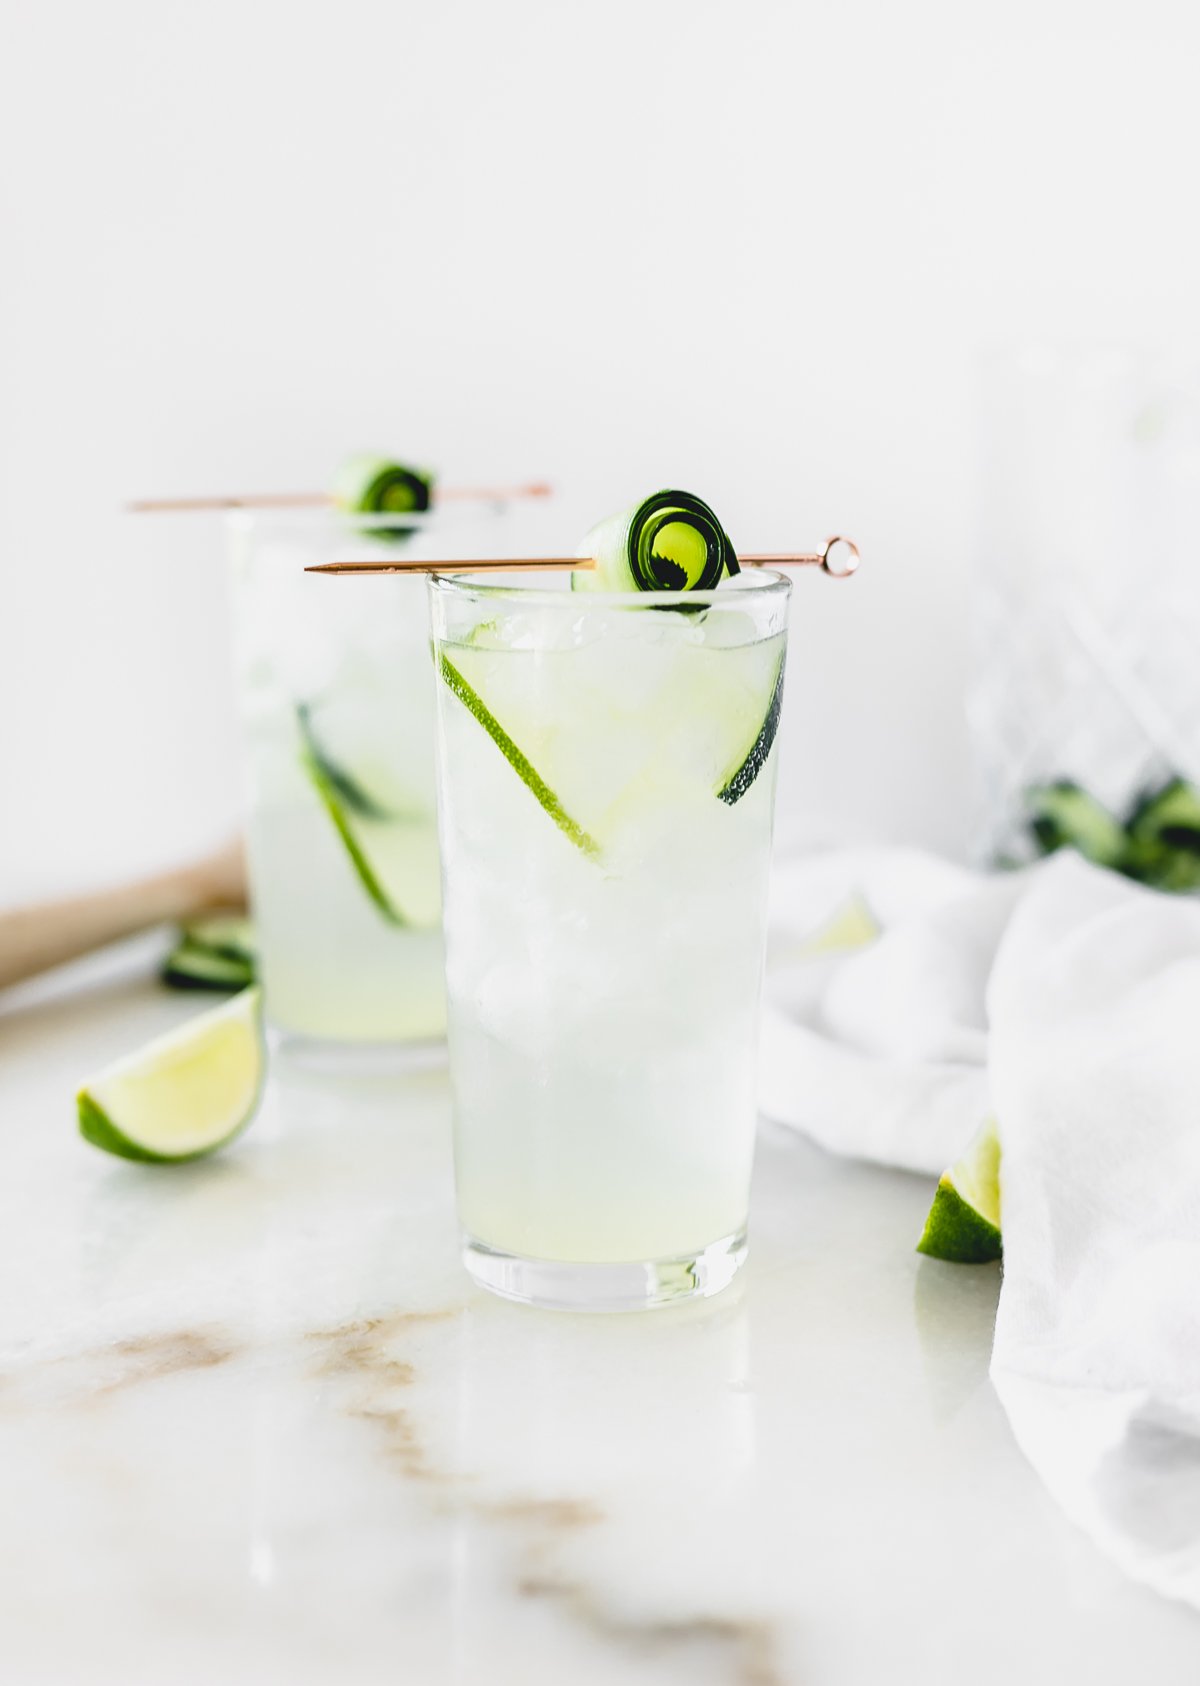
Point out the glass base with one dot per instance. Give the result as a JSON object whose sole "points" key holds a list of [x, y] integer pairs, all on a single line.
{"points": [[606, 1287], [326, 1057]]}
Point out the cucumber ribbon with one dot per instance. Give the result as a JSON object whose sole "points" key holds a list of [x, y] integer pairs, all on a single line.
{"points": [[671, 541], [373, 485]]}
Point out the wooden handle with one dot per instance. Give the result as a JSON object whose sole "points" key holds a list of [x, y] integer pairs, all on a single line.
{"points": [[33, 939]]}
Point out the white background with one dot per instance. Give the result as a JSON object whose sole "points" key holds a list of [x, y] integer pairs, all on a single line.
{"points": [[749, 248]]}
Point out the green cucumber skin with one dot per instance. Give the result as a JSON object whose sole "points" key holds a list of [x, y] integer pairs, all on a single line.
{"points": [[1164, 837], [1158, 845], [362, 483], [1064, 816], [956, 1232], [189, 967], [646, 572], [740, 782], [525, 771], [362, 866], [344, 784]]}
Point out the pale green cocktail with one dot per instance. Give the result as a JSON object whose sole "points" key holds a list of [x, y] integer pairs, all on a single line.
{"points": [[337, 703], [606, 785]]}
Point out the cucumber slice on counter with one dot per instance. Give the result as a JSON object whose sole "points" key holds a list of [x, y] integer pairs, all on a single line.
{"points": [[367, 484], [669, 542], [963, 1225], [1062, 816], [189, 966], [1164, 837], [183, 1095], [216, 953], [228, 935]]}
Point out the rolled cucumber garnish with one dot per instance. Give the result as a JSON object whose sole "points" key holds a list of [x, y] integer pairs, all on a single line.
{"points": [[669, 542], [372, 485]]}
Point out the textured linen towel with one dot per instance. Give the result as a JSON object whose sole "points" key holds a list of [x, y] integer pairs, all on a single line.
{"points": [[907, 1001]]}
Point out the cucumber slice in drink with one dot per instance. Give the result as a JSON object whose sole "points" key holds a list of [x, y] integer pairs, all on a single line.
{"points": [[183, 1095], [669, 542], [367, 484], [520, 764], [395, 859], [388, 831], [963, 1225], [350, 791], [1062, 816], [735, 786], [600, 749]]}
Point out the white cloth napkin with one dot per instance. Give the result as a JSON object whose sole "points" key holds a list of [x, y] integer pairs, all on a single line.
{"points": [[1066, 1002]]}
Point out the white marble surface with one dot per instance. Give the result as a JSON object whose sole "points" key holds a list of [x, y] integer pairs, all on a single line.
{"points": [[256, 1425]]}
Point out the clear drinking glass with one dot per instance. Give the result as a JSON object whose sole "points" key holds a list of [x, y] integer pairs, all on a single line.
{"points": [[606, 791], [1086, 609], [337, 702]]}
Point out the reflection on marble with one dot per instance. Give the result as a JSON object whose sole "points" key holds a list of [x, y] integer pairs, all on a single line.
{"points": [[257, 1425]]}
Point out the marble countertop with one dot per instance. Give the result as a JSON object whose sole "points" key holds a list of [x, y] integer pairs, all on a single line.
{"points": [[257, 1425]]}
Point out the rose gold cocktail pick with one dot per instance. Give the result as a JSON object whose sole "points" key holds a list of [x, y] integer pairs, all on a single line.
{"points": [[321, 500], [838, 557]]}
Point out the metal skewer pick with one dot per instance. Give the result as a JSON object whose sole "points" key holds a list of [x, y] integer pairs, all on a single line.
{"points": [[321, 500], [838, 557]]}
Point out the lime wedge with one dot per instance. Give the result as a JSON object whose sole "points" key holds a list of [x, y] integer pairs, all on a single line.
{"points": [[963, 1225], [184, 1094]]}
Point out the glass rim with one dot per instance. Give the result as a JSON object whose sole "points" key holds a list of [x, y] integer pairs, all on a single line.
{"points": [[760, 583]]}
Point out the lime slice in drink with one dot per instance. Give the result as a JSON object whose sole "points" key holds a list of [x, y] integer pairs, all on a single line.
{"points": [[184, 1094], [671, 541], [1062, 816], [633, 722], [390, 842], [640, 712], [963, 1225], [520, 763]]}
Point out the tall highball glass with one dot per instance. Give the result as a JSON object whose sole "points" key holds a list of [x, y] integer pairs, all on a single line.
{"points": [[337, 703], [606, 779]]}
